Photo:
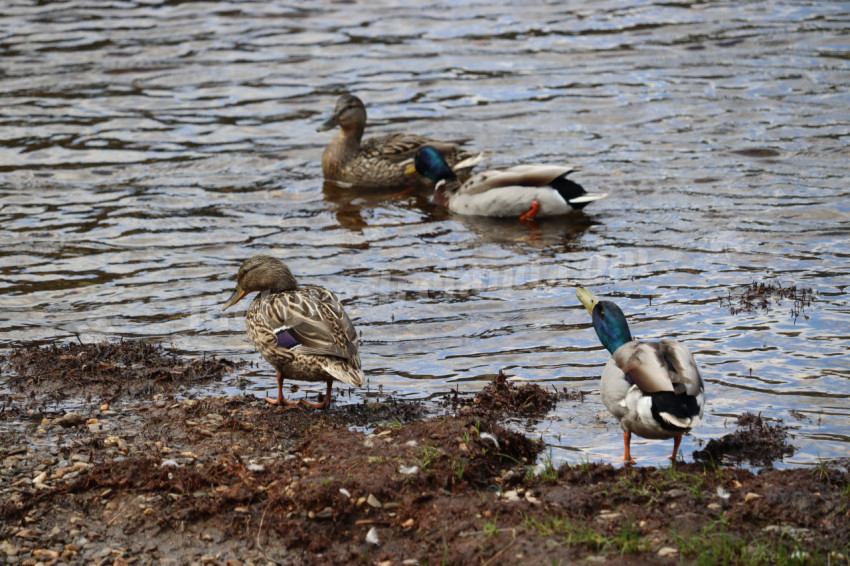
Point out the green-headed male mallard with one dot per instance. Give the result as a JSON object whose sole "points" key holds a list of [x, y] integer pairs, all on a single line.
{"points": [[302, 331], [378, 162], [654, 389], [524, 191]]}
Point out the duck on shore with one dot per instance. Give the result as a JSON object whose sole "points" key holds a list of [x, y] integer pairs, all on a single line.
{"points": [[653, 389], [301, 330]]}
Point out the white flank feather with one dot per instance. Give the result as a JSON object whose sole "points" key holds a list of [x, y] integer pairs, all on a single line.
{"points": [[644, 408], [510, 201]]}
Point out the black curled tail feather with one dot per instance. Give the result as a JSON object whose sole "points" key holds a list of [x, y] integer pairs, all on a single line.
{"points": [[683, 407], [569, 190]]}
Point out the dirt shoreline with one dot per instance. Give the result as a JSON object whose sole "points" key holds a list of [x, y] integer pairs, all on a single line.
{"points": [[138, 474]]}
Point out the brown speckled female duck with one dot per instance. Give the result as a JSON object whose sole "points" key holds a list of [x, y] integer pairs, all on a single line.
{"points": [[379, 162], [302, 331]]}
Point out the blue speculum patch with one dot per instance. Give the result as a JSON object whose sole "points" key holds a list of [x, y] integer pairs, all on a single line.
{"points": [[285, 339]]}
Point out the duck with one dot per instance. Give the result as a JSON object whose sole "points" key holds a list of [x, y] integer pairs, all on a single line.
{"points": [[524, 191], [653, 389], [303, 331], [379, 162]]}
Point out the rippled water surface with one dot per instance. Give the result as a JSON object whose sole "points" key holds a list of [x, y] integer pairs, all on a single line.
{"points": [[149, 147]]}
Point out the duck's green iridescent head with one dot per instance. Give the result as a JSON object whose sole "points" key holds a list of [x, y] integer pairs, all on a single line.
{"points": [[608, 320], [429, 161]]}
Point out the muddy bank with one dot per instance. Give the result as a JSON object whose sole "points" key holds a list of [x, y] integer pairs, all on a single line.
{"points": [[108, 370], [218, 480]]}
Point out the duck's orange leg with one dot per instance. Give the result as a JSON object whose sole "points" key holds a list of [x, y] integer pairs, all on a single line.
{"points": [[281, 400], [627, 441], [676, 441], [535, 208], [325, 403]]}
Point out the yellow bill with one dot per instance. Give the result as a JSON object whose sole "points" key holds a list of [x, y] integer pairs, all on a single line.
{"points": [[586, 298]]}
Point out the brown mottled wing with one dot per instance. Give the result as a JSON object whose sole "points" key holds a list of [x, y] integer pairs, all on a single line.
{"points": [[660, 366], [401, 147], [315, 317], [392, 147]]}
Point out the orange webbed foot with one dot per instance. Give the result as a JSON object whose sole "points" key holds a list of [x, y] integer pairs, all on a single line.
{"points": [[281, 401], [323, 405], [532, 212]]}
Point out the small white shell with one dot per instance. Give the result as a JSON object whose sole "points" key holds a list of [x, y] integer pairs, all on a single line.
{"points": [[488, 436]]}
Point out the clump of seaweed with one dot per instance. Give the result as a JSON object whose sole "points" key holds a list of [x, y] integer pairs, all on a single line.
{"points": [[757, 296], [754, 441], [109, 369], [504, 398]]}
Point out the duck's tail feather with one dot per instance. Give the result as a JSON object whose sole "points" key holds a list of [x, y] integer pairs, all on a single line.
{"points": [[574, 193], [346, 373], [675, 412], [582, 201], [464, 166]]}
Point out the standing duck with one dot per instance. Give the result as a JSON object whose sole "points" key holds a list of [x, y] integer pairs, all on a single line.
{"points": [[654, 389], [378, 162], [524, 191], [302, 331]]}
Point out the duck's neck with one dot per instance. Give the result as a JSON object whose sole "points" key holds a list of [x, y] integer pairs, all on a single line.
{"points": [[442, 190], [610, 325], [352, 133], [344, 147]]}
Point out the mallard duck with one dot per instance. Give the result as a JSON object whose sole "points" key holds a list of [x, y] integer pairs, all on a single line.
{"points": [[654, 389], [378, 162], [525, 191], [302, 331]]}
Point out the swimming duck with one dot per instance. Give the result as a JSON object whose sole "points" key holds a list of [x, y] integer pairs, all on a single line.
{"points": [[302, 331], [654, 389], [378, 162], [525, 191]]}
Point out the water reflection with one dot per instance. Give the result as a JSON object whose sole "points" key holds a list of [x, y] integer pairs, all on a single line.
{"points": [[548, 236], [353, 205]]}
